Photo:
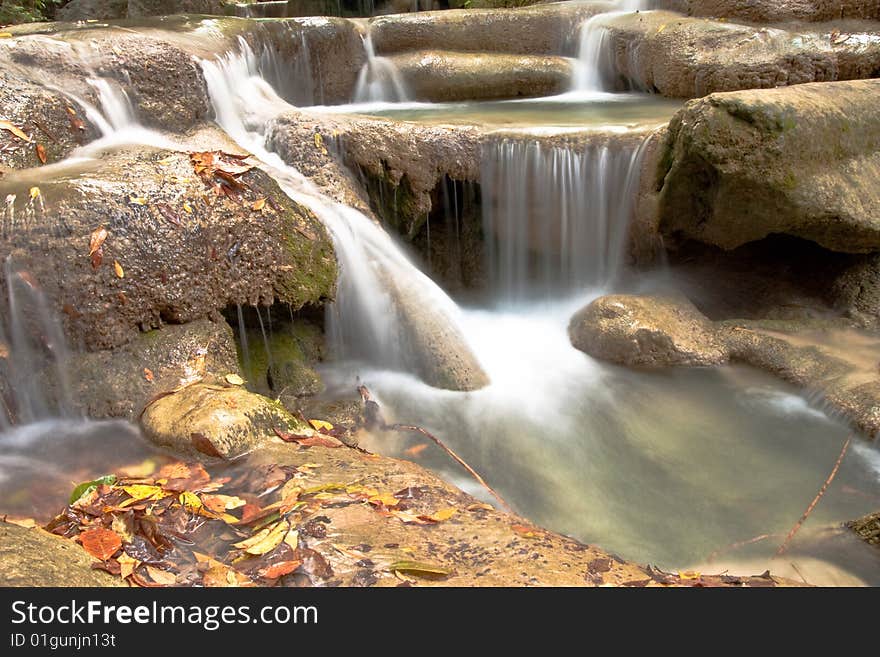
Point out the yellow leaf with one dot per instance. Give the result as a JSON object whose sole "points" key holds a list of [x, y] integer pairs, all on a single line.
{"points": [[384, 498], [144, 492], [661, 28], [5, 35], [234, 379], [190, 500], [121, 527], [319, 141], [127, 565], [27, 523], [35, 192], [419, 569], [480, 506], [320, 424], [230, 501], [443, 514], [137, 200], [292, 538], [689, 574], [6, 125], [165, 161], [187, 208], [259, 204], [120, 272], [266, 539]]}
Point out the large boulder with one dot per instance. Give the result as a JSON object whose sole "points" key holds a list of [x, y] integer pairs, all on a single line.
{"points": [[801, 161], [216, 420], [165, 248], [83, 10], [692, 57], [760, 11], [34, 557], [646, 332], [442, 76]]}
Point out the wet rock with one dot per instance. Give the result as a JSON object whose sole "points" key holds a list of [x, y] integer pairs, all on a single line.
{"points": [[857, 290], [538, 30], [141, 8], [224, 421], [121, 382], [162, 80], [801, 161], [43, 115], [867, 527], [176, 264], [763, 11], [442, 76], [33, 557], [646, 332], [691, 57]]}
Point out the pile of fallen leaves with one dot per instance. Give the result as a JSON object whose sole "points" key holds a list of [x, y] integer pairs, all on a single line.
{"points": [[181, 527]]}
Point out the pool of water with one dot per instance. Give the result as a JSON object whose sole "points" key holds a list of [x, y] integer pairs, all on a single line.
{"points": [[667, 467], [576, 111]]}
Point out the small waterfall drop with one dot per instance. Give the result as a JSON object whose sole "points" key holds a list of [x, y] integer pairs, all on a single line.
{"points": [[387, 312], [379, 80], [556, 217], [595, 61]]}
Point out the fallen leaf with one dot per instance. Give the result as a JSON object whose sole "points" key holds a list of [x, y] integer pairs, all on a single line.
{"points": [[187, 208], [319, 143], [319, 440], [27, 523], [280, 569], [122, 525], [34, 192], [100, 543], [148, 374], [320, 425], [479, 506], [162, 577], [120, 272], [420, 569], [190, 500], [18, 132], [204, 445], [221, 503], [137, 200], [41, 152], [140, 492], [234, 379], [265, 540], [292, 538], [415, 450], [689, 574], [526, 531], [386, 499], [443, 514], [410, 518], [88, 486], [96, 241], [259, 204], [127, 565]]}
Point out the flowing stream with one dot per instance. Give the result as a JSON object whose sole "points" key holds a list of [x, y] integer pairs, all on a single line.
{"points": [[663, 467]]}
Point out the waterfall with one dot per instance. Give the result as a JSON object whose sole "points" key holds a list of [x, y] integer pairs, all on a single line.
{"points": [[379, 80], [290, 76], [556, 217], [387, 312], [595, 60], [32, 346]]}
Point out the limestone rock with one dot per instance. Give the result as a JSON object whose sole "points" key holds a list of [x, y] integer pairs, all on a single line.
{"points": [[760, 11], [34, 557], [801, 161], [646, 332], [233, 420]]}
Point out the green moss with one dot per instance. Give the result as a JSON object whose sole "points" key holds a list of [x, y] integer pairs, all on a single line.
{"points": [[310, 268]]}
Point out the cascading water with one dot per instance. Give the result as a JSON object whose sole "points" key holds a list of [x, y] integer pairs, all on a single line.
{"points": [[386, 311], [595, 60], [555, 218], [379, 80]]}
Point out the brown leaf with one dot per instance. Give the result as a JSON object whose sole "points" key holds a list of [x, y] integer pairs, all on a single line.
{"points": [[112, 566], [100, 543], [18, 132], [97, 258], [97, 239], [168, 213], [526, 531], [41, 152], [204, 445], [184, 476]]}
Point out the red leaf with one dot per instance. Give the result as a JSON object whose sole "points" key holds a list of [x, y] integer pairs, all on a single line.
{"points": [[41, 153], [277, 570], [100, 543], [205, 446]]}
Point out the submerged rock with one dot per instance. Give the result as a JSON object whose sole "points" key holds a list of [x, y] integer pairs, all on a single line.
{"points": [[183, 253], [646, 332], [34, 557], [224, 421], [801, 161]]}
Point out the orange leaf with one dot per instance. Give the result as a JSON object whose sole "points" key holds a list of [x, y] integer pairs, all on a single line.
{"points": [[148, 374], [41, 153], [279, 569], [100, 543], [415, 450], [96, 241], [526, 531], [259, 204]]}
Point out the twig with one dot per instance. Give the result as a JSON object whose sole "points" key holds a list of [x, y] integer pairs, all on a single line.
{"points": [[374, 419], [797, 526], [737, 545]]}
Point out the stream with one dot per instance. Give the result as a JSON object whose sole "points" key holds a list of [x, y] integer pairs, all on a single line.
{"points": [[663, 467]]}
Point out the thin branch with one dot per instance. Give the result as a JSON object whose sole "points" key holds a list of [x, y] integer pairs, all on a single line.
{"points": [[737, 545], [373, 418], [797, 526]]}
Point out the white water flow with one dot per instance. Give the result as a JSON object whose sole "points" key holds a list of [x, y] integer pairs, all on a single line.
{"points": [[379, 289], [555, 218], [595, 60], [379, 80]]}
